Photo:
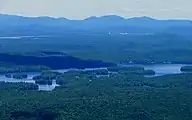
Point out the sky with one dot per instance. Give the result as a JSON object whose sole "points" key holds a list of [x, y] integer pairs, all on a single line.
{"points": [[81, 9]]}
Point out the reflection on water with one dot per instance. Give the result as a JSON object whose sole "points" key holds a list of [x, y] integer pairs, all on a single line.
{"points": [[160, 69], [48, 87], [30, 80], [41, 87], [164, 69]]}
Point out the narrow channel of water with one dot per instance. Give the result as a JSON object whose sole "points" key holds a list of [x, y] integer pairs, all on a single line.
{"points": [[41, 87], [160, 69]]}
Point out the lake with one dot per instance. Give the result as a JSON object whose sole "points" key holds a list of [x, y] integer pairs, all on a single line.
{"points": [[164, 69], [30, 80], [160, 69], [41, 87]]}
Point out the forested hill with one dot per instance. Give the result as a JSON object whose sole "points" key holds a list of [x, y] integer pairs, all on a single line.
{"points": [[54, 62], [18, 25]]}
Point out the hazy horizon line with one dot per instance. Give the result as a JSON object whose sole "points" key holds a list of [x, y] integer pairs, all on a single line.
{"points": [[144, 16]]}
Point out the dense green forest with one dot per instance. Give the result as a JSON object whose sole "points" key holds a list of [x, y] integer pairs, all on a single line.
{"points": [[126, 95], [145, 49], [114, 93]]}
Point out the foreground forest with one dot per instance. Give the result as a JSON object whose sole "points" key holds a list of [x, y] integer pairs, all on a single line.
{"points": [[125, 95]]}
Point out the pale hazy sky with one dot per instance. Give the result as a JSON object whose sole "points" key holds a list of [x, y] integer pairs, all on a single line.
{"points": [[80, 9]]}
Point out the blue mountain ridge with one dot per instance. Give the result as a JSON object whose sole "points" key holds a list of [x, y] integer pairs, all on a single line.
{"points": [[108, 23]]}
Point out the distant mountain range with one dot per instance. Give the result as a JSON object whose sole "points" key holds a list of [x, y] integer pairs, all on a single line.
{"points": [[18, 25]]}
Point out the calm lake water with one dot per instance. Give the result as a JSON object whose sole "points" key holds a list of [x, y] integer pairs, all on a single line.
{"points": [[160, 69], [164, 69], [30, 80], [41, 87]]}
